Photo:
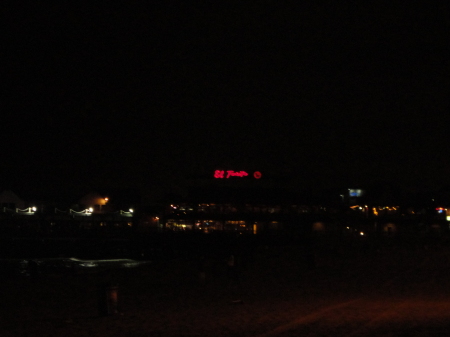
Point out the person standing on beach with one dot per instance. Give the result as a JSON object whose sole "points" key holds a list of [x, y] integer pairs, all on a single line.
{"points": [[231, 269], [33, 270], [202, 270]]}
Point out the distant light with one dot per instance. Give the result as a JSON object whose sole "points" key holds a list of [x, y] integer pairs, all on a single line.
{"points": [[156, 218], [33, 209], [221, 174], [231, 173], [106, 199], [131, 210], [361, 233], [355, 192], [90, 209]]}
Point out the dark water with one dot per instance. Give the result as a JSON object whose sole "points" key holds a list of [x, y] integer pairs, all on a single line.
{"points": [[70, 254]]}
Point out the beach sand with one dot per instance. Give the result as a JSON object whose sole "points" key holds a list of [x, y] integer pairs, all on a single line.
{"points": [[394, 292]]}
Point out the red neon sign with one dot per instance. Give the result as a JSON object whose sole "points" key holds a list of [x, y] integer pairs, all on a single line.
{"points": [[230, 173], [236, 174]]}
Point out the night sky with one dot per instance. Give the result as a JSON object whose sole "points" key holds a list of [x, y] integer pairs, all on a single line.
{"points": [[140, 94]]}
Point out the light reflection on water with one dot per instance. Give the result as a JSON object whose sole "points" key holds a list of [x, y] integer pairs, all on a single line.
{"points": [[63, 265]]}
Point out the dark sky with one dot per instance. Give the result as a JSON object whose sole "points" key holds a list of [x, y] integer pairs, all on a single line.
{"points": [[138, 94]]}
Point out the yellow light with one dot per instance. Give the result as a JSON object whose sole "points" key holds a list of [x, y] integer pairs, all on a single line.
{"points": [[361, 233]]}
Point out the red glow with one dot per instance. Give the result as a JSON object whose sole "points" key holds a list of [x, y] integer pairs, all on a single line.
{"points": [[236, 174], [230, 173], [219, 174]]}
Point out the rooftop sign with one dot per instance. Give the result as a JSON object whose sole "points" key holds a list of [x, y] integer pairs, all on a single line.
{"points": [[222, 174]]}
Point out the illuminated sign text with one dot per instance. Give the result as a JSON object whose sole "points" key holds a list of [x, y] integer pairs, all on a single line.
{"points": [[220, 174]]}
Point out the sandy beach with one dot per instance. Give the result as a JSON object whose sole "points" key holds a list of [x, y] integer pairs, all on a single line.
{"points": [[390, 292]]}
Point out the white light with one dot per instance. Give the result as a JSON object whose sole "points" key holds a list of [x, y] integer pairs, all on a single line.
{"points": [[90, 209], [361, 233], [33, 209], [131, 210]]}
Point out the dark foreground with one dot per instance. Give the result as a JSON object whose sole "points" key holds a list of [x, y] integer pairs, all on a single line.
{"points": [[388, 292]]}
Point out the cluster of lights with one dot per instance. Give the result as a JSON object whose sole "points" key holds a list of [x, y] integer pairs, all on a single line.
{"points": [[359, 207], [90, 211], [376, 209], [442, 210], [380, 208]]}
